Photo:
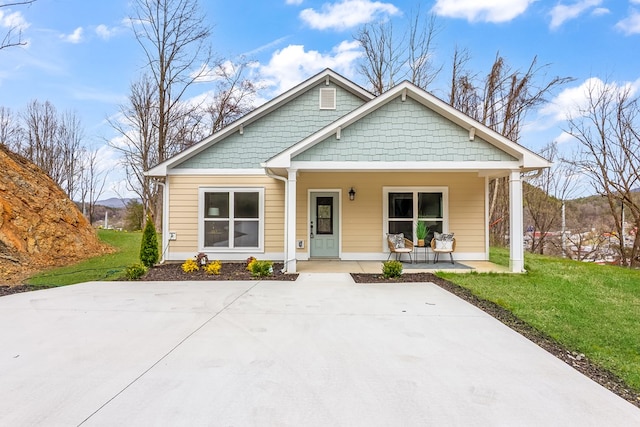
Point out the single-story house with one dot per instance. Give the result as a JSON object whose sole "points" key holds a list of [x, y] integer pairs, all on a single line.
{"points": [[327, 170]]}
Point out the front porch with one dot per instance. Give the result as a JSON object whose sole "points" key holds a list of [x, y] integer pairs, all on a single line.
{"points": [[375, 267]]}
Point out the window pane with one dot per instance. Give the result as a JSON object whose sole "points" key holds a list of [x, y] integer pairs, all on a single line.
{"points": [[216, 234], [216, 205], [245, 234], [400, 205], [405, 227], [246, 205], [324, 215], [429, 205], [433, 226]]}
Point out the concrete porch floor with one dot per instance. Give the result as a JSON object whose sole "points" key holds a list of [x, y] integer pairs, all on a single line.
{"points": [[338, 266]]}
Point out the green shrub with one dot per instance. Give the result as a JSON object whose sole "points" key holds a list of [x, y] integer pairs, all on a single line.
{"points": [[135, 271], [190, 265], [261, 268], [250, 262], [391, 269], [213, 267], [149, 254]]}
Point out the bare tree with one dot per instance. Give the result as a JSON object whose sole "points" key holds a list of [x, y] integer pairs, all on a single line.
{"points": [[136, 125], [173, 36], [91, 183], [13, 37], [52, 141], [608, 131], [234, 95], [10, 129], [390, 58], [501, 101], [545, 195]]}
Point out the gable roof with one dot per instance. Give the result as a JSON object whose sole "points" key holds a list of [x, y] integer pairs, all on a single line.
{"points": [[525, 159], [327, 76]]}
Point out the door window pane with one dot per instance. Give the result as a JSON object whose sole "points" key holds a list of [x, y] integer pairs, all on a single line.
{"points": [[324, 215]]}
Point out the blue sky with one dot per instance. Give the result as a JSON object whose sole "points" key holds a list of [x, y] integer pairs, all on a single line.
{"points": [[82, 55]]}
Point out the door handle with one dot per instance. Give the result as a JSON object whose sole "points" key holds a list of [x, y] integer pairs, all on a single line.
{"points": [[311, 235]]}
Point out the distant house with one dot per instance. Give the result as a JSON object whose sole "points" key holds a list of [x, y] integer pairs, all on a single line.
{"points": [[326, 170]]}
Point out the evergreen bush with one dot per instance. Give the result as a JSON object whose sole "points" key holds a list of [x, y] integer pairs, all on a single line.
{"points": [[149, 254]]}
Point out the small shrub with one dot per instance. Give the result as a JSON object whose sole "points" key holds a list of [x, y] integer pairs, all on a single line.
{"points": [[149, 254], [391, 269], [213, 267], [250, 262], [190, 266], [135, 271], [261, 268]]}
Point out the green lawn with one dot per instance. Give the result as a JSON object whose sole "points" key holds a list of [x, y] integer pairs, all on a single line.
{"points": [[588, 308], [106, 267]]}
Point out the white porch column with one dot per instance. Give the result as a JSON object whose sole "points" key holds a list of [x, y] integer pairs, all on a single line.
{"points": [[516, 223], [291, 216]]}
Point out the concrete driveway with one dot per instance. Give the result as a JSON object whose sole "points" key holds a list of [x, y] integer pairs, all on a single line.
{"points": [[321, 351]]}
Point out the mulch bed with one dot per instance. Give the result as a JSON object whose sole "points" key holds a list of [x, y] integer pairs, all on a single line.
{"points": [[572, 358], [229, 271]]}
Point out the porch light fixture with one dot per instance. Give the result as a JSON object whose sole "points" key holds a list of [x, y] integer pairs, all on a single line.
{"points": [[352, 194], [214, 211]]}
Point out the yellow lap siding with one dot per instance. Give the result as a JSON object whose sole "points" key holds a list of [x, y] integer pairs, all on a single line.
{"points": [[183, 208], [362, 219]]}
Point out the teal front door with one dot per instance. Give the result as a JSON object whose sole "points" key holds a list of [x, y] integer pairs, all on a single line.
{"points": [[324, 236]]}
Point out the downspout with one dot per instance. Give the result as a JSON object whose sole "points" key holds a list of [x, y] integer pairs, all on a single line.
{"points": [[271, 174], [165, 219]]}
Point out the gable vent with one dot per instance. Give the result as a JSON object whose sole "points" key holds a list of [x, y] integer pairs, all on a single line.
{"points": [[327, 98]]}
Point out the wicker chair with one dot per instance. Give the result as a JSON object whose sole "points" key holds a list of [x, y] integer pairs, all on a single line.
{"points": [[439, 250], [407, 249]]}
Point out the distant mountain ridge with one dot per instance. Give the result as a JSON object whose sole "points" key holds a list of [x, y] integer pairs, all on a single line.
{"points": [[116, 203]]}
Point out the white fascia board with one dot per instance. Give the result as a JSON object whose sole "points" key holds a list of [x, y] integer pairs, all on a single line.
{"points": [[174, 172], [406, 166]]}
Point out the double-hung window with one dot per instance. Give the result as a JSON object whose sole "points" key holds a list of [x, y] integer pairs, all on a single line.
{"points": [[405, 206], [232, 218]]}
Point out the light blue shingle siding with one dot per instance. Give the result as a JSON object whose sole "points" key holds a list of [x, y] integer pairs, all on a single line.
{"points": [[274, 132], [403, 131]]}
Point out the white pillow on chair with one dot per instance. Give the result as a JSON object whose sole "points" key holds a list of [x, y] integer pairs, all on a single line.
{"points": [[444, 241]]}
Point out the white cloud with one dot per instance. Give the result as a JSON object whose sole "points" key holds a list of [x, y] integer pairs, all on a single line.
{"points": [[562, 13], [293, 64], [347, 14], [294, 2], [599, 11], [75, 37], [482, 10], [13, 20], [572, 100], [631, 24], [105, 33]]}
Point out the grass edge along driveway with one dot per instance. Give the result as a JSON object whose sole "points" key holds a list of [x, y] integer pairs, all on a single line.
{"points": [[592, 309]]}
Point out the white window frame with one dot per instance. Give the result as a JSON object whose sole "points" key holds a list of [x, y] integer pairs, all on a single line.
{"points": [[415, 190], [230, 190]]}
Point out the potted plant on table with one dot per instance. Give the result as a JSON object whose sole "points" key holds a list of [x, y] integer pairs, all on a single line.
{"points": [[421, 232]]}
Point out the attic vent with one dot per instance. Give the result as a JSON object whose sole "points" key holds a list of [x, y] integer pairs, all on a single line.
{"points": [[327, 98]]}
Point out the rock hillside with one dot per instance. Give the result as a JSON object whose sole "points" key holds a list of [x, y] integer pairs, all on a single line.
{"points": [[40, 226]]}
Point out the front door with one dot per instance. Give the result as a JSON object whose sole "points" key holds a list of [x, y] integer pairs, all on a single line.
{"points": [[324, 240]]}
